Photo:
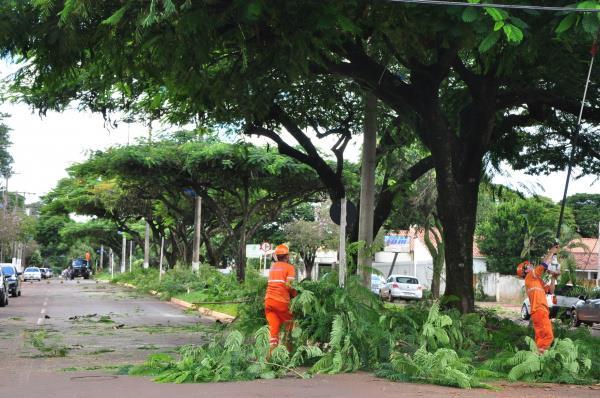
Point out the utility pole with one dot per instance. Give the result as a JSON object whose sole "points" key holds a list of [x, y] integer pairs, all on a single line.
{"points": [[598, 262], [197, 226], [367, 190], [123, 253], [130, 254], [101, 257], [111, 261], [342, 254], [160, 261], [147, 247]]}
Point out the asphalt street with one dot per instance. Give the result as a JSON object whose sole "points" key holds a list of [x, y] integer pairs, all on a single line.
{"points": [[102, 329]]}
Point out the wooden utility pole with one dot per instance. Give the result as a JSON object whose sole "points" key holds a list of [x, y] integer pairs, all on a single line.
{"points": [[197, 229], [367, 190], [342, 253], [147, 247]]}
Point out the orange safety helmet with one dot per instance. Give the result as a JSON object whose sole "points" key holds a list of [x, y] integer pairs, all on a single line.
{"points": [[282, 250], [523, 269]]}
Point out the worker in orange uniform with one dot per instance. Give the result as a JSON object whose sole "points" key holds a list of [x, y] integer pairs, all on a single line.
{"points": [[279, 293], [536, 291]]}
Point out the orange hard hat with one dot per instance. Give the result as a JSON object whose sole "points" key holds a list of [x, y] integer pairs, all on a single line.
{"points": [[523, 268], [281, 250]]}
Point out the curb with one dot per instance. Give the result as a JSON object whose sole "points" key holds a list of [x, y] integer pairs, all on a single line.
{"points": [[207, 312]]}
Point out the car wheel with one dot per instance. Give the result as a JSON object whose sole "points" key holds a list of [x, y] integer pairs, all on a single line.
{"points": [[19, 293], [390, 297], [4, 300], [524, 313], [14, 293], [576, 321]]}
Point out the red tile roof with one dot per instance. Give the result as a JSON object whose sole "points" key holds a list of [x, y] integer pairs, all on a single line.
{"points": [[586, 258]]}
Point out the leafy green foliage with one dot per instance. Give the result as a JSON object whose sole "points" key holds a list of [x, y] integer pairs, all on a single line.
{"points": [[430, 363], [47, 345], [586, 209], [517, 230], [561, 363], [234, 357]]}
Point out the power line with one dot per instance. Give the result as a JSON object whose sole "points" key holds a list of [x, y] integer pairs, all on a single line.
{"points": [[494, 5]]}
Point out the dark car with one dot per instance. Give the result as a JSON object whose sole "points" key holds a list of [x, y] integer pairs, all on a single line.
{"points": [[587, 311], [14, 282], [79, 267], [3, 289]]}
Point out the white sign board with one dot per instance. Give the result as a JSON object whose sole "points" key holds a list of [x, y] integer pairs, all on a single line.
{"points": [[396, 243], [253, 251]]}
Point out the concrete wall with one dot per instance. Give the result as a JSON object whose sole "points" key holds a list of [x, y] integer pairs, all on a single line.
{"points": [[505, 288]]}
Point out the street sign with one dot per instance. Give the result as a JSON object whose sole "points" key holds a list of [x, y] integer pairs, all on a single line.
{"points": [[396, 243], [265, 246], [253, 251]]}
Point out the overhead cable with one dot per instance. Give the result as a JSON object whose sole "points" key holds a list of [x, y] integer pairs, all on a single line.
{"points": [[496, 5]]}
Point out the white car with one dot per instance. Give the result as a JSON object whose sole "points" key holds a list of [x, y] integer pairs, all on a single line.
{"points": [[376, 282], [404, 287], [32, 273], [550, 300]]}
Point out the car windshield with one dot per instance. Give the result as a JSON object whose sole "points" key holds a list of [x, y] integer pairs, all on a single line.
{"points": [[8, 271], [406, 279], [79, 262], [32, 269]]}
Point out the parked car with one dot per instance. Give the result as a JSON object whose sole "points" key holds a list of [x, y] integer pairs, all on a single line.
{"points": [[3, 289], [526, 307], [46, 273], [14, 281], [32, 273], [376, 282], [79, 267], [404, 287], [565, 299], [586, 311]]}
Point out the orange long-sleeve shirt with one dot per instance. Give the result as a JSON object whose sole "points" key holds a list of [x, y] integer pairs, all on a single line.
{"points": [[536, 290], [279, 287]]}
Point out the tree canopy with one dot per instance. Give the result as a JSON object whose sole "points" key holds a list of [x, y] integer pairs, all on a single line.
{"points": [[472, 85], [242, 187], [518, 230], [586, 209]]}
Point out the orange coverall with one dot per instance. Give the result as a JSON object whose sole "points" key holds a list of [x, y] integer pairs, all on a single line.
{"points": [[277, 299], [540, 313]]}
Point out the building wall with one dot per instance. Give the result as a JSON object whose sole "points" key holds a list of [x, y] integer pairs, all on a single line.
{"points": [[505, 288]]}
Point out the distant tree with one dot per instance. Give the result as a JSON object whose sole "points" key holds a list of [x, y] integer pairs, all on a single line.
{"points": [[306, 237], [52, 219], [243, 187], [518, 230], [36, 258], [6, 159], [586, 209]]}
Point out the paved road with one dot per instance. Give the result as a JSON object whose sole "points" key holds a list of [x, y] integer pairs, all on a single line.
{"points": [[111, 327]]}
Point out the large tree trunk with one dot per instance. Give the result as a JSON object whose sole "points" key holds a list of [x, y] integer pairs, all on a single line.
{"points": [[309, 262], [367, 190], [241, 258], [457, 208]]}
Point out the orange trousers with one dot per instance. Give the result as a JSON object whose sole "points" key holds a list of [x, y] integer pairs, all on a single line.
{"points": [[543, 329], [277, 314]]}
